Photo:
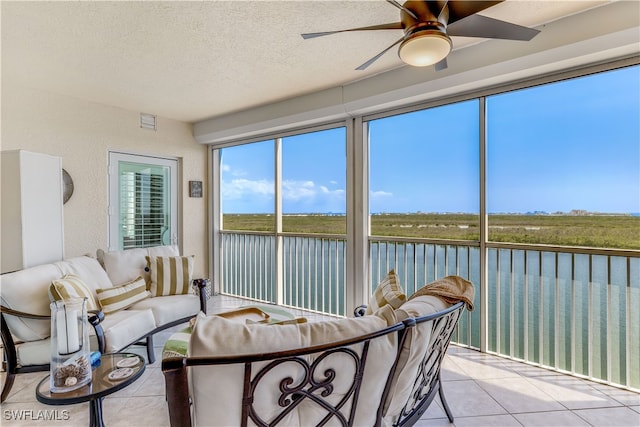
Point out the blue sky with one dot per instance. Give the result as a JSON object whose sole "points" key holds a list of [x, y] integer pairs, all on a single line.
{"points": [[558, 147]]}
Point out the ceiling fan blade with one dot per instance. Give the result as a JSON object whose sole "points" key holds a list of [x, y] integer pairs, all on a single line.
{"points": [[442, 9], [439, 66], [375, 58], [484, 27], [401, 7], [390, 26], [461, 9]]}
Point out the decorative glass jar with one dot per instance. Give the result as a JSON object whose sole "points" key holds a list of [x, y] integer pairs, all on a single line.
{"points": [[70, 359]]}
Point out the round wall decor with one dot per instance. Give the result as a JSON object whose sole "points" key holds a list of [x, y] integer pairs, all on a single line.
{"points": [[67, 189]]}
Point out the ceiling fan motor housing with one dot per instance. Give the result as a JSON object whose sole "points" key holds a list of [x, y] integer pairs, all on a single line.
{"points": [[426, 12], [425, 39]]}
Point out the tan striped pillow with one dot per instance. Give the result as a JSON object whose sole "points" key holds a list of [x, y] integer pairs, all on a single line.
{"points": [[71, 286], [170, 275], [123, 296], [388, 292]]}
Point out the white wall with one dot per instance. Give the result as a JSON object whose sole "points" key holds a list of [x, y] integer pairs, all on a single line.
{"points": [[82, 133]]}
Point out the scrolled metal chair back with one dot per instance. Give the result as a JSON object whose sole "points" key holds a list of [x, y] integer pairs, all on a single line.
{"points": [[427, 381], [327, 378]]}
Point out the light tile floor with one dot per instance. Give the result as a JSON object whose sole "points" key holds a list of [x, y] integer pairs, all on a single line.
{"points": [[481, 389]]}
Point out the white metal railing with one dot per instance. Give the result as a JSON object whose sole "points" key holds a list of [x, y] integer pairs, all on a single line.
{"points": [[248, 265], [576, 310], [313, 269], [314, 273]]}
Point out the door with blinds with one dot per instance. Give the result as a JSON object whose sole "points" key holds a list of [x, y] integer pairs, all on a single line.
{"points": [[143, 201]]}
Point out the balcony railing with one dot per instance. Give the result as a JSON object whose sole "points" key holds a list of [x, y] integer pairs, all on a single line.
{"points": [[313, 273], [575, 310]]}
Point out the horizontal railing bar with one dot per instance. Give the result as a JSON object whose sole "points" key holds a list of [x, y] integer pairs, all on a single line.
{"points": [[391, 239], [287, 234], [633, 253]]}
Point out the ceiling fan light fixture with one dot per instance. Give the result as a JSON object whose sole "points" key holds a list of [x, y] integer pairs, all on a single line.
{"points": [[425, 47]]}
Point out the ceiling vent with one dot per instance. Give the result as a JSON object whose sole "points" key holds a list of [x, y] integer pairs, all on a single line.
{"points": [[147, 121]]}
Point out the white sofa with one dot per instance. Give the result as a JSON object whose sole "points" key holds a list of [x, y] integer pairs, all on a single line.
{"points": [[26, 302], [379, 369]]}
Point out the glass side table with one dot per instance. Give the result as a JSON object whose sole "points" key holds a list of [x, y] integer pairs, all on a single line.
{"points": [[116, 371]]}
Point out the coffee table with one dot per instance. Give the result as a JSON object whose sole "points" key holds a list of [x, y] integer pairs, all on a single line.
{"points": [[101, 385]]}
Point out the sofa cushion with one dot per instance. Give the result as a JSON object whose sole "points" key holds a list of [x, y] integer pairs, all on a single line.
{"points": [[170, 308], [215, 335], [123, 266], [124, 327], [123, 296], [27, 291], [71, 286], [170, 275], [416, 342], [389, 292], [34, 352], [88, 269]]}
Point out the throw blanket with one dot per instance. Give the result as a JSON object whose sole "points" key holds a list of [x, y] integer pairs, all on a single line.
{"points": [[451, 289]]}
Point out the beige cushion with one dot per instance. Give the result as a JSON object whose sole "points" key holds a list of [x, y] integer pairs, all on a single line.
{"points": [[126, 265], [218, 336], [71, 286], [123, 327], [34, 352], [27, 291], [170, 275], [418, 338], [122, 296], [388, 292], [170, 308], [89, 270]]}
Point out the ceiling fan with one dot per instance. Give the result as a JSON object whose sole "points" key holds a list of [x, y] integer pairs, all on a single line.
{"points": [[429, 24]]}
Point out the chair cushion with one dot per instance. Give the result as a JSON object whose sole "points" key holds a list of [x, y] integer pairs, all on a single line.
{"points": [[218, 336], [389, 292], [71, 286], [122, 296], [416, 342], [170, 275]]}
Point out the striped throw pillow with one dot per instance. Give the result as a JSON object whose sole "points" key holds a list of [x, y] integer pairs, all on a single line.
{"points": [[71, 286], [123, 296], [170, 275], [388, 292]]}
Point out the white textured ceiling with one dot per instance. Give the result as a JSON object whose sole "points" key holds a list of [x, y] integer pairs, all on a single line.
{"points": [[194, 60]]}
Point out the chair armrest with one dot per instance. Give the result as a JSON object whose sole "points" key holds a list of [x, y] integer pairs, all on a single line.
{"points": [[202, 293], [95, 318], [9, 346], [177, 390], [11, 312], [360, 310]]}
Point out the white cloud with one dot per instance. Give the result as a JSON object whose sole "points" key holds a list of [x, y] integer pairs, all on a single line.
{"points": [[302, 195], [297, 190], [380, 194], [240, 188]]}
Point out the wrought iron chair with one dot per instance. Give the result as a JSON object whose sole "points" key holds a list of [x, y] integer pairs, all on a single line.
{"points": [[439, 327], [317, 384], [289, 393]]}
